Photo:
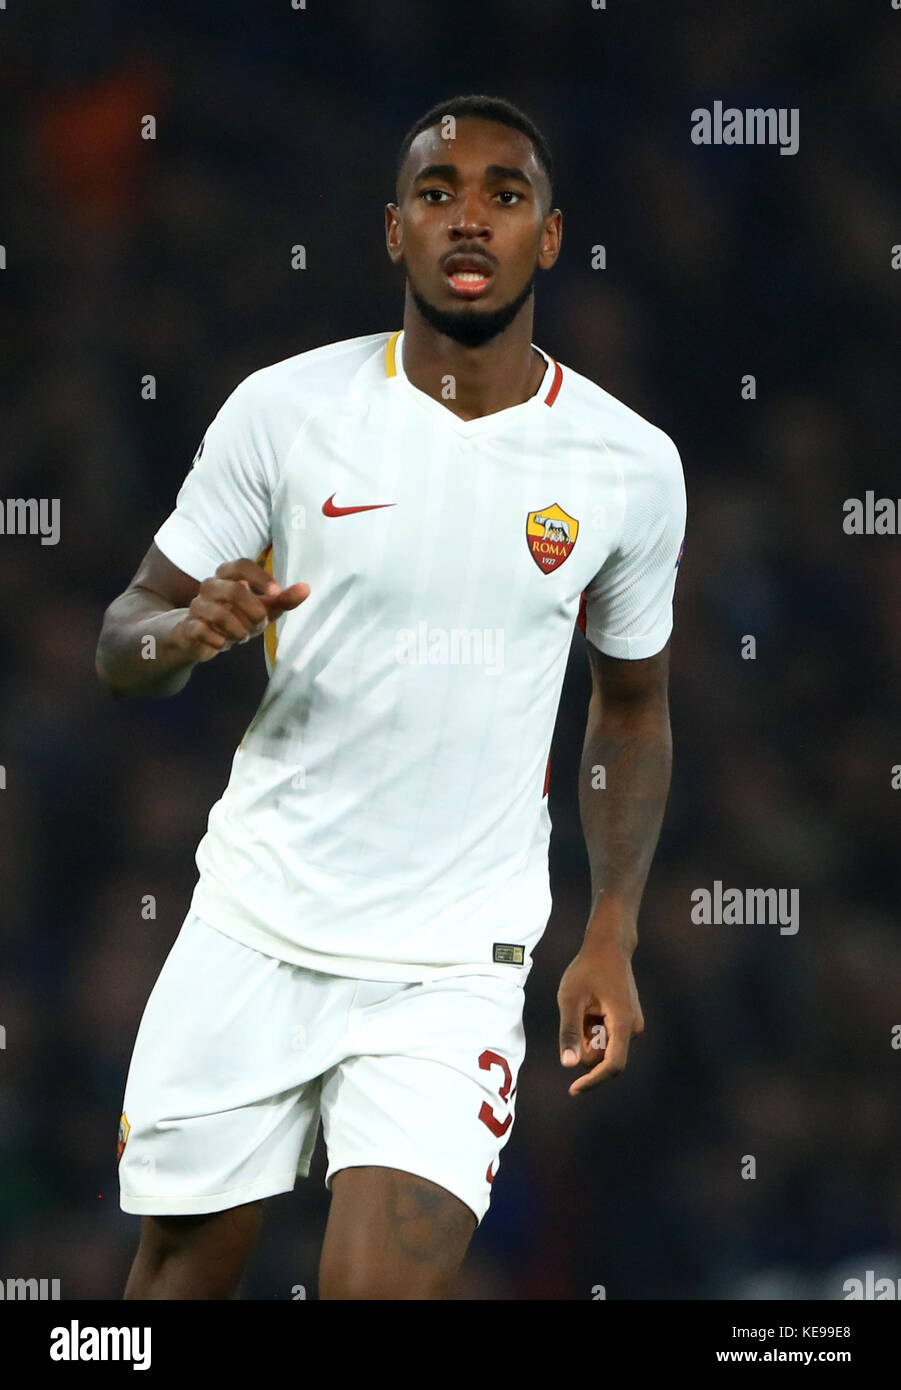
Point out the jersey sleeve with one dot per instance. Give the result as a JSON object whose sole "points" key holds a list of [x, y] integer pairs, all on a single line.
{"points": [[628, 607], [224, 507]]}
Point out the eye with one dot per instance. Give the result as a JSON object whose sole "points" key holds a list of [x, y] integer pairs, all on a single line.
{"points": [[510, 193], [427, 194]]}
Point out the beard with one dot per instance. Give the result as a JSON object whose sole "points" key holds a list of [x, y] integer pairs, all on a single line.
{"points": [[468, 328]]}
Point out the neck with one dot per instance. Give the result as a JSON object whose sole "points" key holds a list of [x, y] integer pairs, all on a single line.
{"points": [[501, 373]]}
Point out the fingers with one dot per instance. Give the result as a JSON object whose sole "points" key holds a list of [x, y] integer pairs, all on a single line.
{"points": [[259, 580], [598, 1039], [235, 604], [229, 608], [199, 640], [570, 1041], [288, 598], [616, 1054]]}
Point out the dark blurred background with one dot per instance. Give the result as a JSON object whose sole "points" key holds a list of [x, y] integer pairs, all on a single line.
{"points": [[172, 257]]}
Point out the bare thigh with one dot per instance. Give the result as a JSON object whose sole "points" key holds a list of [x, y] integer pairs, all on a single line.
{"points": [[184, 1257], [392, 1235]]}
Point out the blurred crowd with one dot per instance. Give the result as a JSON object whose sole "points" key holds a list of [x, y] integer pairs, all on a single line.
{"points": [[170, 258]]}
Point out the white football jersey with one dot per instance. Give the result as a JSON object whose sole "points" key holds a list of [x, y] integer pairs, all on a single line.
{"points": [[386, 815]]}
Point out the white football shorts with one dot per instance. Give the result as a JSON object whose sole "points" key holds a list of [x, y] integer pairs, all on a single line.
{"points": [[238, 1055]]}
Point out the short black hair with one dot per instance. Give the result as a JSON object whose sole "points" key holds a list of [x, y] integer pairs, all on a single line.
{"points": [[487, 109]]}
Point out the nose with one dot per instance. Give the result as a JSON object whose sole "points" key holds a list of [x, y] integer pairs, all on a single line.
{"points": [[470, 219]]}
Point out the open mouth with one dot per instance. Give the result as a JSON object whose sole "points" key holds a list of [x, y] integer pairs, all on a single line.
{"points": [[469, 283], [467, 277]]}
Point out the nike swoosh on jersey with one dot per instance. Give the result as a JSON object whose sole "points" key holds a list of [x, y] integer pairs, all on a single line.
{"points": [[329, 509]]}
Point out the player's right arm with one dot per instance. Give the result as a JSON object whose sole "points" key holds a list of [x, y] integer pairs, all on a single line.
{"points": [[193, 596], [165, 622]]}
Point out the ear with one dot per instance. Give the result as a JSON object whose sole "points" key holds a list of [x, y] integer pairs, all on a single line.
{"points": [[394, 235], [551, 238]]}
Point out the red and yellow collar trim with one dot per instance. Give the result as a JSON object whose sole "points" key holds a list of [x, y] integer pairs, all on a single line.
{"points": [[553, 389]]}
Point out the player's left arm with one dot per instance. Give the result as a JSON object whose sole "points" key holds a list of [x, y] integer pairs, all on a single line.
{"points": [[627, 756], [623, 784]]}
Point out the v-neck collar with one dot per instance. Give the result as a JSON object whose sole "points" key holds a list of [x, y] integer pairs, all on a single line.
{"points": [[483, 424]]}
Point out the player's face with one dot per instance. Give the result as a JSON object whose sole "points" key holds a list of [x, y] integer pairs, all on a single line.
{"points": [[471, 226]]}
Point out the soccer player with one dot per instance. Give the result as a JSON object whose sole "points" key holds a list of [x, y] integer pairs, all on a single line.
{"points": [[414, 521]]}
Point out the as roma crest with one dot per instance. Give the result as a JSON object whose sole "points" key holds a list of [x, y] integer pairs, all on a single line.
{"points": [[124, 1131], [551, 534]]}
